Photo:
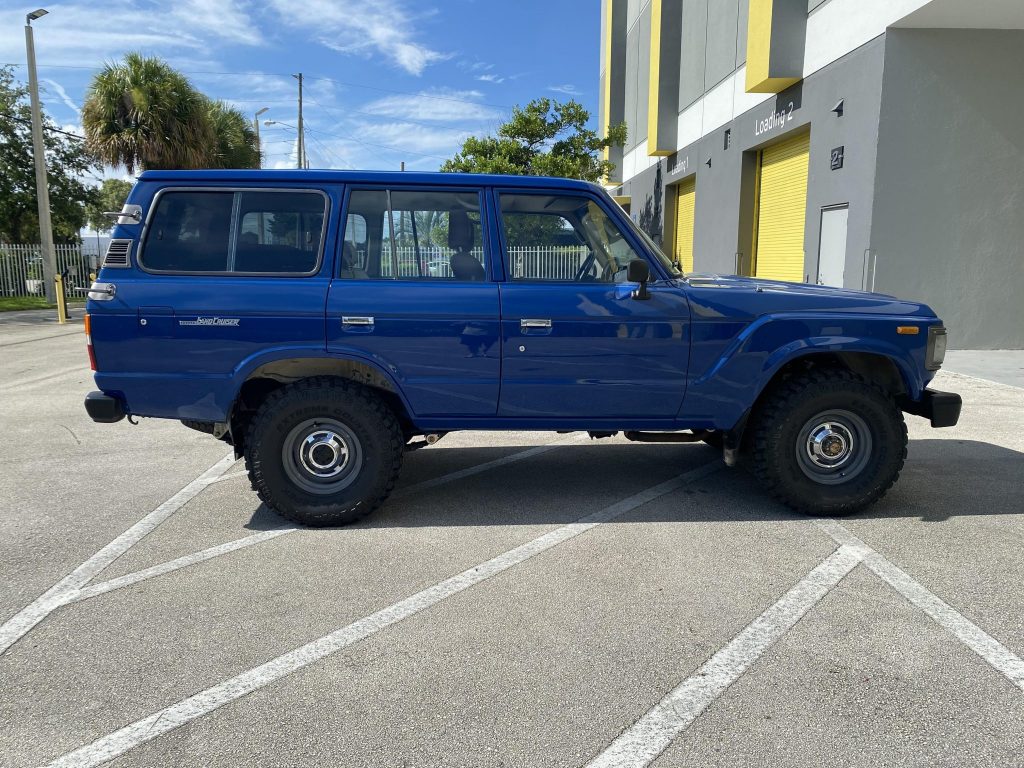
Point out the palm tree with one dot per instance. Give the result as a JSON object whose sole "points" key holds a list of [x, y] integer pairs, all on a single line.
{"points": [[235, 142], [141, 113]]}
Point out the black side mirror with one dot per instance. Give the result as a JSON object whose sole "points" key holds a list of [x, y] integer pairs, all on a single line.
{"points": [[639, 271]]}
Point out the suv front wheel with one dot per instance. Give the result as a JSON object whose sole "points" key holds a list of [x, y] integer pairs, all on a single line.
{"points": [[828, 442], [324, 451]]}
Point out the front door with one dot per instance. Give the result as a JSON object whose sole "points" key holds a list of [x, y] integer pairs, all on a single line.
{"points": [[413, 296], [576, 343]]}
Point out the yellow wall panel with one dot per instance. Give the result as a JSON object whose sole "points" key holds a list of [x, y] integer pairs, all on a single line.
{"points": [[771, 27]]}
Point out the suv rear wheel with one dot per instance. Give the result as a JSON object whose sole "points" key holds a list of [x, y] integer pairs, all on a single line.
{"points": [[828, 442], [324, 451]]}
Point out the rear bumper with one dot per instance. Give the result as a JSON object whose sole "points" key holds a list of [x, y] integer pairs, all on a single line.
{"points": [[941, 408], [104, 409]]}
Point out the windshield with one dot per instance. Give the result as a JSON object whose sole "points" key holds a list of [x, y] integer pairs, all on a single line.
{"points": [[670, 266]]}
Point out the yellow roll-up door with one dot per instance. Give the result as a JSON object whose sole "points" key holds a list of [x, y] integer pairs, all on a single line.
{"points": [[782, 210], [686, 196]]}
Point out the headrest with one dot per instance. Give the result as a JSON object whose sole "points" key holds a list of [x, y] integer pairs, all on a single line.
{"points": [[460, 231]]}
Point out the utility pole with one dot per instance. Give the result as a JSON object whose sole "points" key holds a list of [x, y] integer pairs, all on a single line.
{"points": [[302, 138], [256, 125], [39, 150]]}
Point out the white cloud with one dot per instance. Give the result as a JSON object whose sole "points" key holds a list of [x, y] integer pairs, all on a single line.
{"points": [[440, 142], [490, 78], [382, 27], [438, 104], [82, 33], [226, 19], [567, 88], [62, 94]]}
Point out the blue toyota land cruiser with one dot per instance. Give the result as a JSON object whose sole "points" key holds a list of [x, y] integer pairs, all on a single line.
{"points": [[324, 322]]}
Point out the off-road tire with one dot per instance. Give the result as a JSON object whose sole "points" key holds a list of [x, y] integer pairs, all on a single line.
{"points": [[359, 410], [777, 437]]}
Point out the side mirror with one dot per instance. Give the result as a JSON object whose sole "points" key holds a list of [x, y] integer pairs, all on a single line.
{"points": [[639, 271]]}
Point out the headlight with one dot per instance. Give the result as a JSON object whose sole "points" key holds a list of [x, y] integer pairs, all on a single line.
{"points": [[936, 351]]}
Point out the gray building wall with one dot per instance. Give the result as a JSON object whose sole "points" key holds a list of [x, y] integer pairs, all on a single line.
{"points": [[949, 202], [714, 45], [638, 72], [724, 206]]}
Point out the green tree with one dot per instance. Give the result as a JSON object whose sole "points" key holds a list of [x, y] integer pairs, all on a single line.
{"points": [[109, 197], [141, 113], [236, 145], [67, 162], [544, 138]]}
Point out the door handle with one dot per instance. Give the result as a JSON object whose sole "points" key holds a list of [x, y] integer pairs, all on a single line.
{"points": [[362, 321], [534, 322]]}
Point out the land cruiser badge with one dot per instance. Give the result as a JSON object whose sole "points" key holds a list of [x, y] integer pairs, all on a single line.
{"points": [[211, 321]]}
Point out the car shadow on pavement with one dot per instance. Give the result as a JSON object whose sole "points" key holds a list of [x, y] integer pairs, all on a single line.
{"points": [[944, 479], [941, 479]]}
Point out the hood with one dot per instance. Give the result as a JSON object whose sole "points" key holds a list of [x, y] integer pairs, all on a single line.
{"points": [[754, 296]]}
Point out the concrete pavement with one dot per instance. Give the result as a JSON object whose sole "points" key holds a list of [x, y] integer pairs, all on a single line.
{"points": [[594, 583]]}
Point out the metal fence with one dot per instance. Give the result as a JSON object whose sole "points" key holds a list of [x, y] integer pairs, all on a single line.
{"points": [[531, 262], [21, 268]]}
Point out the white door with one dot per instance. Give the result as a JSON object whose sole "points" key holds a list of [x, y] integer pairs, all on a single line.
{"points": [[832, 245]]}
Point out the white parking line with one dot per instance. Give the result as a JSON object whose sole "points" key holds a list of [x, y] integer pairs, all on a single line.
{"points": [[229, 476], [64, 591], [69, 592], [135, 577], [169, 718], [649, 736], [1002, 659]]}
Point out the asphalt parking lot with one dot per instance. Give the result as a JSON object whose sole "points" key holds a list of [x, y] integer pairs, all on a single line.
{"points": [[525, 599]]}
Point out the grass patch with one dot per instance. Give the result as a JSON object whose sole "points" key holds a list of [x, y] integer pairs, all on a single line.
{"points": [[12, 303]]}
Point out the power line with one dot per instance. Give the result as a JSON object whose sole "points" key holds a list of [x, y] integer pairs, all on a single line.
{"points": [[23, 121], [369, 143], [324, 148], [308, 77]]}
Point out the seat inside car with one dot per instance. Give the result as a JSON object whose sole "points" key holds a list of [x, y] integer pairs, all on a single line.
{"points": [[460, 239]]}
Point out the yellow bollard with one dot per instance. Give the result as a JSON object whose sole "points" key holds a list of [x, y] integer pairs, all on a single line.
{"points": [[62, 307]]}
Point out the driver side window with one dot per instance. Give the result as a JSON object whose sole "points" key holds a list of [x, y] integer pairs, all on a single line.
{"points": [[562, 238]]}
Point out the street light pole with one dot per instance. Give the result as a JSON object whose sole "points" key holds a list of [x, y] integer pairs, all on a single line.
{"points": [[302, 137], [256, 125], [39, 151]]}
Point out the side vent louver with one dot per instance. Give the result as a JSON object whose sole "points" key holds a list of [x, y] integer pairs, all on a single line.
{"points": [[118, 253]]}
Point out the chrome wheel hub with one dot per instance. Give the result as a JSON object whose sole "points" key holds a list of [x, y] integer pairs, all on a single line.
{"points": [[323, 453], [322, 456], [829, 444], [833, 447]]}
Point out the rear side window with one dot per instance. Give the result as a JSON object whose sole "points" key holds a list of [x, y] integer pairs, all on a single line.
{"points": [[247, 232], [413, 235]]}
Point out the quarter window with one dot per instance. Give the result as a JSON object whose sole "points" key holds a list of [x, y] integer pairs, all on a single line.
{"points": [[235, 232], [563, 238], [413, 235]]}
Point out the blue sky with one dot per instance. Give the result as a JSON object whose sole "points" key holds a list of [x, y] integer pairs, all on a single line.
{"points": [[386, 80]]}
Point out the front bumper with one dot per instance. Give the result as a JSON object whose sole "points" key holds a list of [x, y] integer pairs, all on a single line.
{"points": [[941, 408], [104, 409]]}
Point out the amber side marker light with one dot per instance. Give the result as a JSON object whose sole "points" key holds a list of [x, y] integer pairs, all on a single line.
{"points": [[907, 330], [88, 342]]}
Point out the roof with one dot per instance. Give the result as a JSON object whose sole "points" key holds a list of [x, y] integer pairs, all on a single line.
{"points": [[368, 177]]}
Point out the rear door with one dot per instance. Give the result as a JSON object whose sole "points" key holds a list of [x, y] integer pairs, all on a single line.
{"points": [[221, 275], [577, 343], [413, 294]]}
